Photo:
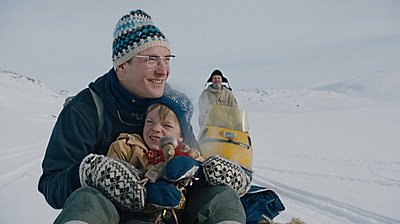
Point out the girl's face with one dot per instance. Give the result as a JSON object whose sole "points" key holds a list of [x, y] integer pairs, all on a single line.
{"points": [[156, 126]]}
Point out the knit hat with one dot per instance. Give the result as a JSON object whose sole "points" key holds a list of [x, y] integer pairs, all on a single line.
{"points": [[134, 33], [217, 72], [181, 105]]}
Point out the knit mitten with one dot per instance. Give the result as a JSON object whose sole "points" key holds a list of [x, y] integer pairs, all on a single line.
{"points": [[117, 180], [163, 195], [181, 167], [220, 171]]}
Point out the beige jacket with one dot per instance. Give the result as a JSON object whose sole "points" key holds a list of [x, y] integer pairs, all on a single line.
{"points": [[131, 148], [211, 96]]}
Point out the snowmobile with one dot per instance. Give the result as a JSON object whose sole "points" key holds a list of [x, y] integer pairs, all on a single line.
{"points": [[225, 133]]}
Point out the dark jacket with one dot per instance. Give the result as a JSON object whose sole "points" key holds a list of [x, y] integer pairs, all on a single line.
{"points": [[75, 135]]}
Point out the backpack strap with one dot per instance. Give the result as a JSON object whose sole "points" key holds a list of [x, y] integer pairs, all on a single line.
{"points": [[100, 111]]}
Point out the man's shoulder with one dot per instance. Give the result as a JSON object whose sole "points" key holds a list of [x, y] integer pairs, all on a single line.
{"points": [[225, 88], [71, 100], [85, 96], [205, 92]]}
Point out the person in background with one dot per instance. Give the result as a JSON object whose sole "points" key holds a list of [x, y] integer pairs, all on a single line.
{"points": [[215, 93], [115, 103]]}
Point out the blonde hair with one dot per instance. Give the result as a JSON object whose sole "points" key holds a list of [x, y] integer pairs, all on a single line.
{"points": [[163, 111]]}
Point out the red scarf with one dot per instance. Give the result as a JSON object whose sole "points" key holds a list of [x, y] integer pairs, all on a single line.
{"points": [[156, 156]]}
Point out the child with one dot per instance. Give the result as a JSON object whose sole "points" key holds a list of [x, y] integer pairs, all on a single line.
{"points": [[166, 124], [163, 139]]}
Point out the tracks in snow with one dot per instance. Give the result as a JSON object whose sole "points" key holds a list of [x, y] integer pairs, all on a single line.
{"points": [[18, 162], [325, 205]]}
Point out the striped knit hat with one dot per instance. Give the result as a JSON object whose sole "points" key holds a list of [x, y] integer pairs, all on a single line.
{"points": [[134, 33]]}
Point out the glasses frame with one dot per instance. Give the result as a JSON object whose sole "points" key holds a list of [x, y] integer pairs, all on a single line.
{"points": [[165, 59]]}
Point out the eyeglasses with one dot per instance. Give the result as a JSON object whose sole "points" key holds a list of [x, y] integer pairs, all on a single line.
{"points": [[154, 61]]}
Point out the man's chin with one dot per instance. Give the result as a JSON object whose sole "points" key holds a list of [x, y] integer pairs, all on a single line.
{"points": [[156, 93]]}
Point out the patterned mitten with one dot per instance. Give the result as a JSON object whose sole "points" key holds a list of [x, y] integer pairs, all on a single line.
{"points": [[117, 180], [220, 171]]}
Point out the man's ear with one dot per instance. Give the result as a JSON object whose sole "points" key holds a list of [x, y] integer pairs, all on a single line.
{"points": [[121, 72]]}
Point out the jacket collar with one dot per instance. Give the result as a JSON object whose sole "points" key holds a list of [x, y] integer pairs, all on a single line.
{"points": [[126, 100]]}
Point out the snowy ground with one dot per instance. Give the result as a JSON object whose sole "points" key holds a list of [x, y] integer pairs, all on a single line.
{"points": [[331, 153]]}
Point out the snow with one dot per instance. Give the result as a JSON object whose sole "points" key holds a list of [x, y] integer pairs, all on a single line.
{"points": [[326, 140], [330, 151]]}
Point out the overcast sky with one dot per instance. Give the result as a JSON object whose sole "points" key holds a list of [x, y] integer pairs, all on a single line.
{"points": [[257, 44]]}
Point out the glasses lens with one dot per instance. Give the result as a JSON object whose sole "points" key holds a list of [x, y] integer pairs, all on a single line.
{"points": [[168, 60], [152, 61]]}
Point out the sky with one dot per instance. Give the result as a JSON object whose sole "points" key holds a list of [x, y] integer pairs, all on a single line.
{"points": [[273, 44], [331, 154]]}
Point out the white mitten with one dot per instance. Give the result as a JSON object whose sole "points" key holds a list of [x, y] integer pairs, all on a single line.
{"points": [[220, 171], [118, 180]]}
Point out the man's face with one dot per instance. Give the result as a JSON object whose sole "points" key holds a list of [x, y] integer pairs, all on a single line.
{"points": [[140, 79], [216, 79]]}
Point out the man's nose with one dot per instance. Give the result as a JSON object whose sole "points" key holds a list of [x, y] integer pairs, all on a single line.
{"points": [[162, 68]]}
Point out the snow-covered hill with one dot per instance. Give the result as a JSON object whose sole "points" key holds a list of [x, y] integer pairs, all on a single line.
{"points": [[28, 112], [26, 106], [369, 90], [331, 153], [14, 89], [383, 86]]}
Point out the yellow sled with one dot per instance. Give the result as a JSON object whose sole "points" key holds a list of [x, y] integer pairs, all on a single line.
{"points": [[225, 133]]}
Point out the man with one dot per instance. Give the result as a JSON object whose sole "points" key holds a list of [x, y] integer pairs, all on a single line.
{"points": [[216, 93], [141, 57]]}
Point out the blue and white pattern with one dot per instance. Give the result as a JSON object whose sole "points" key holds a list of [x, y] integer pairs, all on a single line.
{"points": [[220, 171], [134, 33], [116, 179]]}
